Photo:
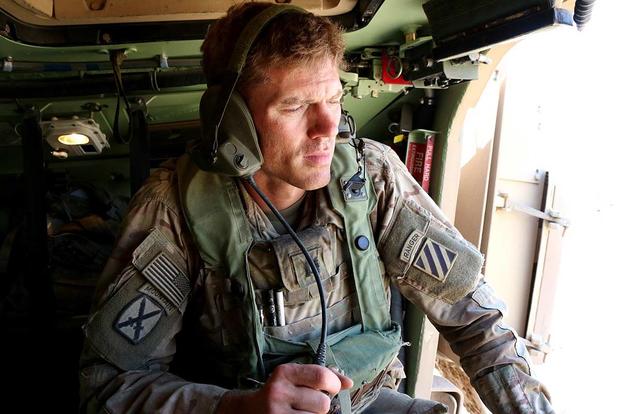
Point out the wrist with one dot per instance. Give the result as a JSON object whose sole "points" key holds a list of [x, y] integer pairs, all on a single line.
{"points": [[234, 402]]}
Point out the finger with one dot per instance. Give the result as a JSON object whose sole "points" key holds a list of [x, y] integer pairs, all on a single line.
{"points": [[312, 376], [346, 382], [307, 399]]}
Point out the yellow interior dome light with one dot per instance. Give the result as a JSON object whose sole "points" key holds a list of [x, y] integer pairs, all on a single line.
{"points": [[73, 139]]}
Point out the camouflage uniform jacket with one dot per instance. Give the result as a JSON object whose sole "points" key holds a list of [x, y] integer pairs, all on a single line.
{"points": [[491, 353]]}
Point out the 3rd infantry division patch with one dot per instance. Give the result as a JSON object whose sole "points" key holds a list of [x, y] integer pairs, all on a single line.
{"points": [[435, 259]]}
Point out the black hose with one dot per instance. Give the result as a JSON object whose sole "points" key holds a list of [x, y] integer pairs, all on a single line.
{"points": [[320, 356], [582, 12]]}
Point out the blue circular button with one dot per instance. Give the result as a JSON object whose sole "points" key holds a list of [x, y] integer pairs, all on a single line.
{"points": [[362, 243]]}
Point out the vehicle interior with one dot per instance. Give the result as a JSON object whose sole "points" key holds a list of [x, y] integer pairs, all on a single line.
{"points": [[96, 93]]}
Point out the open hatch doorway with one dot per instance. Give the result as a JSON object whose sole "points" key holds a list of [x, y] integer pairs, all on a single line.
{"points": [[538, 195]]}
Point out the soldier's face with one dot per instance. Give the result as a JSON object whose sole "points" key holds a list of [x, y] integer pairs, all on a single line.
{"points": [[296, 114]]}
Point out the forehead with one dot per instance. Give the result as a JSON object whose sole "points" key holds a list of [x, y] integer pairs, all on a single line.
{"points": [[314, 79]]}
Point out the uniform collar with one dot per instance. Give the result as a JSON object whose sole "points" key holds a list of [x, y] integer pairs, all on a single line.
{"points": [[316, 210]]}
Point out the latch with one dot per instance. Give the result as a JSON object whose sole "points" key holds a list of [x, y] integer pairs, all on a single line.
{"points": [[536, 343], [553, 217]]}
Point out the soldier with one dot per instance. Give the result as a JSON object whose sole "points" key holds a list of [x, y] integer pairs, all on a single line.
{"points": [[207, 305]]}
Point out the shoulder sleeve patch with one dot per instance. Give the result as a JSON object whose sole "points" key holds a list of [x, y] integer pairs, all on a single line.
{"points": [[162, 263], [138, 318], [129, 328], [421, 251], [435, 259]]}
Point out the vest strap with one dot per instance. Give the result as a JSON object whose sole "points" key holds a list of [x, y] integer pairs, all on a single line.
{"points": [[215, 215], [355, 212]]}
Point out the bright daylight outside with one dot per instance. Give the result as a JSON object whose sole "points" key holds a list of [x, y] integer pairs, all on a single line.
{"points": [[562, 105]]}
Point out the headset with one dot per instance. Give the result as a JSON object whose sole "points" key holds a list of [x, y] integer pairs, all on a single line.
{"points": [[229, 143]]}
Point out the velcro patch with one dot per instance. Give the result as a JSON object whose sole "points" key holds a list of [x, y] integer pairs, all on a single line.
{"points": [[138, 319], [123, 334], [411, 246], [435, 259], [161, 262], [168, 278]]}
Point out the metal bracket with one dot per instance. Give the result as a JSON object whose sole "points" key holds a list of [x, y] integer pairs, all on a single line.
{"points": [[351, 193], [7, 64], [536, 342], [552, 217]]}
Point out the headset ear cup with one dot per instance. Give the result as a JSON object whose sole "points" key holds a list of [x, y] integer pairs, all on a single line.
{"points": [[237, 117], [238, 151]]}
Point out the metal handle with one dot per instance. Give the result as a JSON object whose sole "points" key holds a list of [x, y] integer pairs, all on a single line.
{"points": [[553, 217]]}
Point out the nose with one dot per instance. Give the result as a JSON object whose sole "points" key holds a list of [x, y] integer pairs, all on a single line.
{"points": [[325, 121]]}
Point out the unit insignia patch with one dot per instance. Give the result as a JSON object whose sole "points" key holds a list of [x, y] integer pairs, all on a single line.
{"points": [[138, 319], [435, 259]]}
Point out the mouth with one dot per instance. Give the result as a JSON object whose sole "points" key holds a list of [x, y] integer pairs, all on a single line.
{"points": [[318, 158]]}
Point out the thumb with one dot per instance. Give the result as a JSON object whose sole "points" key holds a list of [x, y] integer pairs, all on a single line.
{"points": [[346, 382]]}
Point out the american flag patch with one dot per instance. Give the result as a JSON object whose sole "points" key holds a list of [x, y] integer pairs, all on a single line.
{"points": [[435, 259], [164, 274]]}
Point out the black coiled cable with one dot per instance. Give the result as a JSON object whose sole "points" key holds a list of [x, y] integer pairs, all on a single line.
{"points": [[582, 12]]}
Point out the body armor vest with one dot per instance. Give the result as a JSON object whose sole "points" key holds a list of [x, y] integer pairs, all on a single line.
{"points": [[215, 215]]}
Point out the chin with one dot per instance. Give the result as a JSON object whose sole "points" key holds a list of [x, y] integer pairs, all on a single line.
{"points": [[309, 179], [315, 183]]}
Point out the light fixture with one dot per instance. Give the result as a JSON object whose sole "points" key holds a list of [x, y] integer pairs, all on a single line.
{"points": [[73, 139], [75, 136]]}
